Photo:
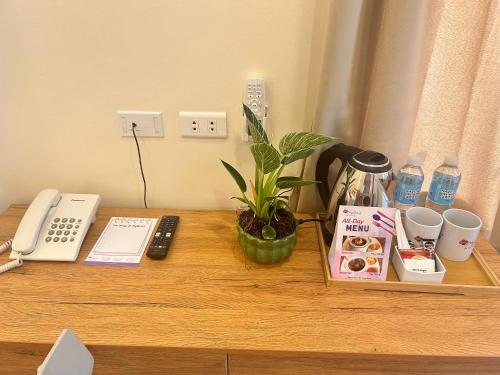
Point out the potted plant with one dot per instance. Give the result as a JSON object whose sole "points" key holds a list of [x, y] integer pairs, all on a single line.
{"points": [[267, 230]]}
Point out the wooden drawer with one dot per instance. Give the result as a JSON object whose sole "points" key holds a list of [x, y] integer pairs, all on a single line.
{"points": [[21, 359], [317, 364]]}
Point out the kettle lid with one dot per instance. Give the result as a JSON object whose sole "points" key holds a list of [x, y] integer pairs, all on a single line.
{"points": [[371, 162]]}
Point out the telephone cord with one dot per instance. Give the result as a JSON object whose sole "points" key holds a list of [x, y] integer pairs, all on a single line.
{"points": [[5, 246], [18, 262]]}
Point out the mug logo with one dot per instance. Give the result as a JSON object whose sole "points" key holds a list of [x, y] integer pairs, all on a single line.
{"points": [[463, 242]]}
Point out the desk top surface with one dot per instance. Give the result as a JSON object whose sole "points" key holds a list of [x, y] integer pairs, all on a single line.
{"points": [[206, 294]]}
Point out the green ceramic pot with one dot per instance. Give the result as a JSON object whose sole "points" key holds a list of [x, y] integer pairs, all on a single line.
{"points": [[266, 251]]}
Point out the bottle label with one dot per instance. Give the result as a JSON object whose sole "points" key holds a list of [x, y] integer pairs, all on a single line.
{"points": [[408, 190], [443, 188]]}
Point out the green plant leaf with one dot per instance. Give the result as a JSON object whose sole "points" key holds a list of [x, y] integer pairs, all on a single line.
{"points": [[266, 157], [247, 202], [294, 142], [281, 204], [268, 232], [276, 197], [236, 175], [290, 182], [258, 133], [294, 156]]}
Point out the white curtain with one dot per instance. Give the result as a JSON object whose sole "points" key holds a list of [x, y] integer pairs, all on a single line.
{"points": [[401, 77]]}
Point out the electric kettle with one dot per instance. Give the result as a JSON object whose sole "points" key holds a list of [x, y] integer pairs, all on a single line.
{"points": [[363, 180]]}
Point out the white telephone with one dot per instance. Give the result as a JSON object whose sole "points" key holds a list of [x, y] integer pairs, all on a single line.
{"points": [[53, 227]]}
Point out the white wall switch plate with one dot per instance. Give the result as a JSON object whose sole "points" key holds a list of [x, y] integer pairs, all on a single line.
{"points": [[203, 124], [149, 124]]}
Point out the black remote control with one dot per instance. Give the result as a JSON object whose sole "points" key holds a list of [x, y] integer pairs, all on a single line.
{"points": [[158, 248]]}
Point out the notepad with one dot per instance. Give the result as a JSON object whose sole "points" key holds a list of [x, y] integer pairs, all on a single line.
{"points": [[122, 242]]}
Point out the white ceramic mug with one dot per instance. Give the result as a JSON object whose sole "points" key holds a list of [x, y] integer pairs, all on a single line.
{"points": [[422, 223], [460, 231]]}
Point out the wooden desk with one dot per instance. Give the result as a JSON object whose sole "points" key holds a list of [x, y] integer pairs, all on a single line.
{"points": [[206, 308]]}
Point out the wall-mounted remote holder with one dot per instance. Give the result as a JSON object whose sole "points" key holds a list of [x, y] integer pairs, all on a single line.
{"points": [[255, 98]]}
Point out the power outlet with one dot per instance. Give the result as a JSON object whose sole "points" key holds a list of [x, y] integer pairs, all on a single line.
{"points": [[149, 124], [195, 127], [203, 124], [212, 126]]}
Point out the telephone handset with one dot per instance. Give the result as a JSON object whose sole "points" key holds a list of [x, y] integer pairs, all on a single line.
{"points": [[53, 227]]}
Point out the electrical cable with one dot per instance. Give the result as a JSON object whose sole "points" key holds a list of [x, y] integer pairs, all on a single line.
{"points": [[134, 125], [302, 221]]}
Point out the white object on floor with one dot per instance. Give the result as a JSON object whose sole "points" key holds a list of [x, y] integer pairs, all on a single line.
{"points": [[67, 356]]}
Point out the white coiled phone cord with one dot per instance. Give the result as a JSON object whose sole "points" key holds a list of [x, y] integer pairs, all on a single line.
{"points": [[13, 263]]}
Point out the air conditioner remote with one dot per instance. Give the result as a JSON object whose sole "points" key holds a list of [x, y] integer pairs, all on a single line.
{"points": [[160, 244], [255, 99]]}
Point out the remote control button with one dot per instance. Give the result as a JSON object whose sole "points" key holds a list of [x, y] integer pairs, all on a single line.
{"points": [[56, 239], [69, 226], [71, 239], [48, 239], [59, 232], [56, 220], [77, 226], [64, 220], [66, 232], [61, 226], [74, 233], [72, 220], [53, 226], [51, 232], [64, 239]]}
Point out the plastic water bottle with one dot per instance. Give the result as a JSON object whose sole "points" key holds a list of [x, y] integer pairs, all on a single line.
{"points": [[409, 183], [444, 185]]}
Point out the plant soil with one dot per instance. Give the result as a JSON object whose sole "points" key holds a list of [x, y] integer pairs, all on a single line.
{"points": [[283, 223]]}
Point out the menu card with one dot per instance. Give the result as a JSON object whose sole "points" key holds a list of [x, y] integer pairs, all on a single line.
{"points": [[361, 245]]}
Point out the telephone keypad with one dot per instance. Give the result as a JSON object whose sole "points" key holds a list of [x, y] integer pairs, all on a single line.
{"points": [[63, 226]]}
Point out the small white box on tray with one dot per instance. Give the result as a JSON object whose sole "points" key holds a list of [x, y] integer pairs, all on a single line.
{"points": [[405, 274]]}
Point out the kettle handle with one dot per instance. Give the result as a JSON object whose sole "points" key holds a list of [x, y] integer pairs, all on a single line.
{"points": [[327, 157]]}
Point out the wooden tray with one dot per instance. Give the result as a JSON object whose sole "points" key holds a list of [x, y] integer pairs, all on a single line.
{"points": [[472, 277]]}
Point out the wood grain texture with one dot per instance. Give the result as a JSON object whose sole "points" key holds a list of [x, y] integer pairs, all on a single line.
{"points": [[251, 364], [20, 359], [206, 296]]}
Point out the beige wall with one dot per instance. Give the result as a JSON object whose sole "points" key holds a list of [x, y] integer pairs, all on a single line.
{"points": [[67, 66]]}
